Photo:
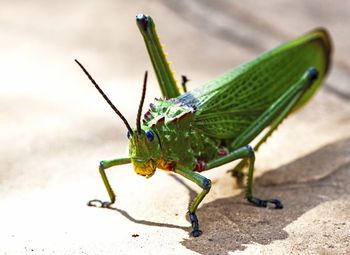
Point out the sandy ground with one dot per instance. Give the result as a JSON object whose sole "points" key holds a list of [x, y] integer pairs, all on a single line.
{"points": [[55, 129]]}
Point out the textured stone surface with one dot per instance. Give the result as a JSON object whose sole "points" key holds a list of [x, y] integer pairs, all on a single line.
{"points": [[55, 128]]}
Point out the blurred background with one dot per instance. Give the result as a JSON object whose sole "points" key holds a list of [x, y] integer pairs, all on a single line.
{"points": [[55, 127]]}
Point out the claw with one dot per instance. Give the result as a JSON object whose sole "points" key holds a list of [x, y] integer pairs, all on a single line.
{"points": [[99, 203], [196, 233], [278, 204], [94, 203], [263, 203]]}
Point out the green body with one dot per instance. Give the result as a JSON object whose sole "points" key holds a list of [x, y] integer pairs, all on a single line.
{"points": [[215, 123], [202, 123]]}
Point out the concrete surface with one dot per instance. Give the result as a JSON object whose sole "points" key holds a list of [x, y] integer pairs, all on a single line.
{"points": [[55, 128]]}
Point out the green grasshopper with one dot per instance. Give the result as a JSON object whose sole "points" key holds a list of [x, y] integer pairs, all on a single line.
{"points": [[214, 124]]}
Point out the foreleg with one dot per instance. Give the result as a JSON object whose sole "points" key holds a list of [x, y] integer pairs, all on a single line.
{"points": [[104, 164], [202, 182]]}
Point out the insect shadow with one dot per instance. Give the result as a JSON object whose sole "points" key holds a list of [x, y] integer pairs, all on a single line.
{"points": [[231, 223], [192, 194], [146, 222]]}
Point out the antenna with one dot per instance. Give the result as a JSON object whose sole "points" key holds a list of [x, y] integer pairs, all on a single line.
{"points": [[105, 97], [138, 119]]}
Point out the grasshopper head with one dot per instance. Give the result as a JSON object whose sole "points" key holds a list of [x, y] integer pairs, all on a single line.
{"points": [[144, 151], [144, 146]]}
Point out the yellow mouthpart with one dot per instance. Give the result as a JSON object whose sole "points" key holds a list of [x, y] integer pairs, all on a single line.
{"points": [[146, 169]]}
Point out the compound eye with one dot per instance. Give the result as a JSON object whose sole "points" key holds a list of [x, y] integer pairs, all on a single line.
{"points": [[149, 135], [128, 134]]}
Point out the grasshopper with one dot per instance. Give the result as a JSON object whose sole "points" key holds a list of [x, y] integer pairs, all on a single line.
{"points": [[215, 124]]}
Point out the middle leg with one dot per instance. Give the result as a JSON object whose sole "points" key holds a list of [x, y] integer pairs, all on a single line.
{"points": [[245, 152]]}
